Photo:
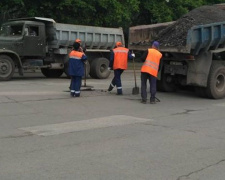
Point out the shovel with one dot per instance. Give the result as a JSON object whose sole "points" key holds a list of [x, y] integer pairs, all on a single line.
{"points": [[135, 89]]}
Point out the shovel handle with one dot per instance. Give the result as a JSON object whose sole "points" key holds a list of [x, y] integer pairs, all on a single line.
{"points": [[85, 74], [135, 81]]}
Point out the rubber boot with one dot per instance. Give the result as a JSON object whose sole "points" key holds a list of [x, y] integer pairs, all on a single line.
{"points": [[119, 92], [110, 87], [152, 100]]}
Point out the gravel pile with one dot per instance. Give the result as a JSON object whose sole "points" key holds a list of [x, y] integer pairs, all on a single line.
{"points": [[175, 34]]}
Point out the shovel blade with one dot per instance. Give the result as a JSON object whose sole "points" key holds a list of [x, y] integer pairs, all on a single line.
{"points": [[135, 90]]}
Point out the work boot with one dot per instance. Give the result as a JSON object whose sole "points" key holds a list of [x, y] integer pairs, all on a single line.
{"points": [[110, 87], [143, 101], [119, 92], [77, 95], [152, 100], [72, 94]]}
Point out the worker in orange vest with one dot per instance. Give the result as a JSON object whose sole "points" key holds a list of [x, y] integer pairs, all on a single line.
{"points": [[76, 69], [118, 62], [149, 71], [81, 49]]}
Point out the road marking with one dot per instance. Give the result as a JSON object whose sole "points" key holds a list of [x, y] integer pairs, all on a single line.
{"points": [[68, 127]]}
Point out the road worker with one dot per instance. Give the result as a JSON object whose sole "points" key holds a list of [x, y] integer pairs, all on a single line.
{"points": [[149, 71], [118, 62], [76, 69], [83, 50]]}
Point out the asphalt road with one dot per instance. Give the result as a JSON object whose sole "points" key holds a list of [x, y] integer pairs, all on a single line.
{"points": [[45, 134]]}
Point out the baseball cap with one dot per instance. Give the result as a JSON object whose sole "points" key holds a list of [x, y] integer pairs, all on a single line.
{"points": [[118, 43], [155, 44], [78, 40]]}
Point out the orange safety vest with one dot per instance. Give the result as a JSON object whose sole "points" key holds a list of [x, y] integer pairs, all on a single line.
{"points": [[151, 64], [120, 58], [76, 54]]}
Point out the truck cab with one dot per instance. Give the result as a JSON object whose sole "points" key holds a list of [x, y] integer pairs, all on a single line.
{"points": [[25, 38]]}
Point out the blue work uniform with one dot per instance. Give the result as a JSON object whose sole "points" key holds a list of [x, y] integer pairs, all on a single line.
{"points": [[76, 71]]}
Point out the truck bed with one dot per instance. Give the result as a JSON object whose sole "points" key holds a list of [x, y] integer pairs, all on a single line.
{"points": [[199, 38], [94, 38]]}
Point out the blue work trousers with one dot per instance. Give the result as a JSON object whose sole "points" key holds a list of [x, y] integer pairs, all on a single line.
{"points": [[75, 85], [117, 80], [152, 82]]}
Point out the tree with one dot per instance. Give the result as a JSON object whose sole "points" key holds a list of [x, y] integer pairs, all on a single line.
{"points": [[111, 13], [156, 11], [108, 13], [10, 9]]}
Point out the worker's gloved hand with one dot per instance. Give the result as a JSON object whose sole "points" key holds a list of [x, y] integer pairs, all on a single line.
{"points": [[133, 55], [109, 68], [80, 49]]}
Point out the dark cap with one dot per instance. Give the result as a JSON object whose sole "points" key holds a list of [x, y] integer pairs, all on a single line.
{"points": [[76, 45], [155, 44]]}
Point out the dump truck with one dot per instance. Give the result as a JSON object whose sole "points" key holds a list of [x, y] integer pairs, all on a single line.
{"points": [[41, 43], [198, 61]]}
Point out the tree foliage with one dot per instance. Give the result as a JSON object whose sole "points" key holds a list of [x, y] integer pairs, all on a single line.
{"points": [[113, 13]]}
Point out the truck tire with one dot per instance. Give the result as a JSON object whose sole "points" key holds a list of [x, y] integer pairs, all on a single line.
{"points": [[52, 73], [216, 82], [99, 68], [166, 84], [7, 68]]}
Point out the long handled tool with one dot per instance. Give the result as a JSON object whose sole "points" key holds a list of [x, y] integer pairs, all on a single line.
{"points": [[85, 87], [135, 90], [85, 74]]}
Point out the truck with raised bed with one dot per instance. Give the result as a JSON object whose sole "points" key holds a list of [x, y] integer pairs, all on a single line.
{"points": [[37, 42], [199, 61]]}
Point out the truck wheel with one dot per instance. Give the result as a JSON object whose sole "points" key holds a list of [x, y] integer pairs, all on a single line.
{"points": [[216, 82], [99, 68], [52, 73], [7, 68], [166, 84]]}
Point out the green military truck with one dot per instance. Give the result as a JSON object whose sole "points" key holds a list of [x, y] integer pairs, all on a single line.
{"points": [[26, 41]]}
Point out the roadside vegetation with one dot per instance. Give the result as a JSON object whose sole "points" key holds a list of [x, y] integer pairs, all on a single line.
{"points": [[106, 13]]}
